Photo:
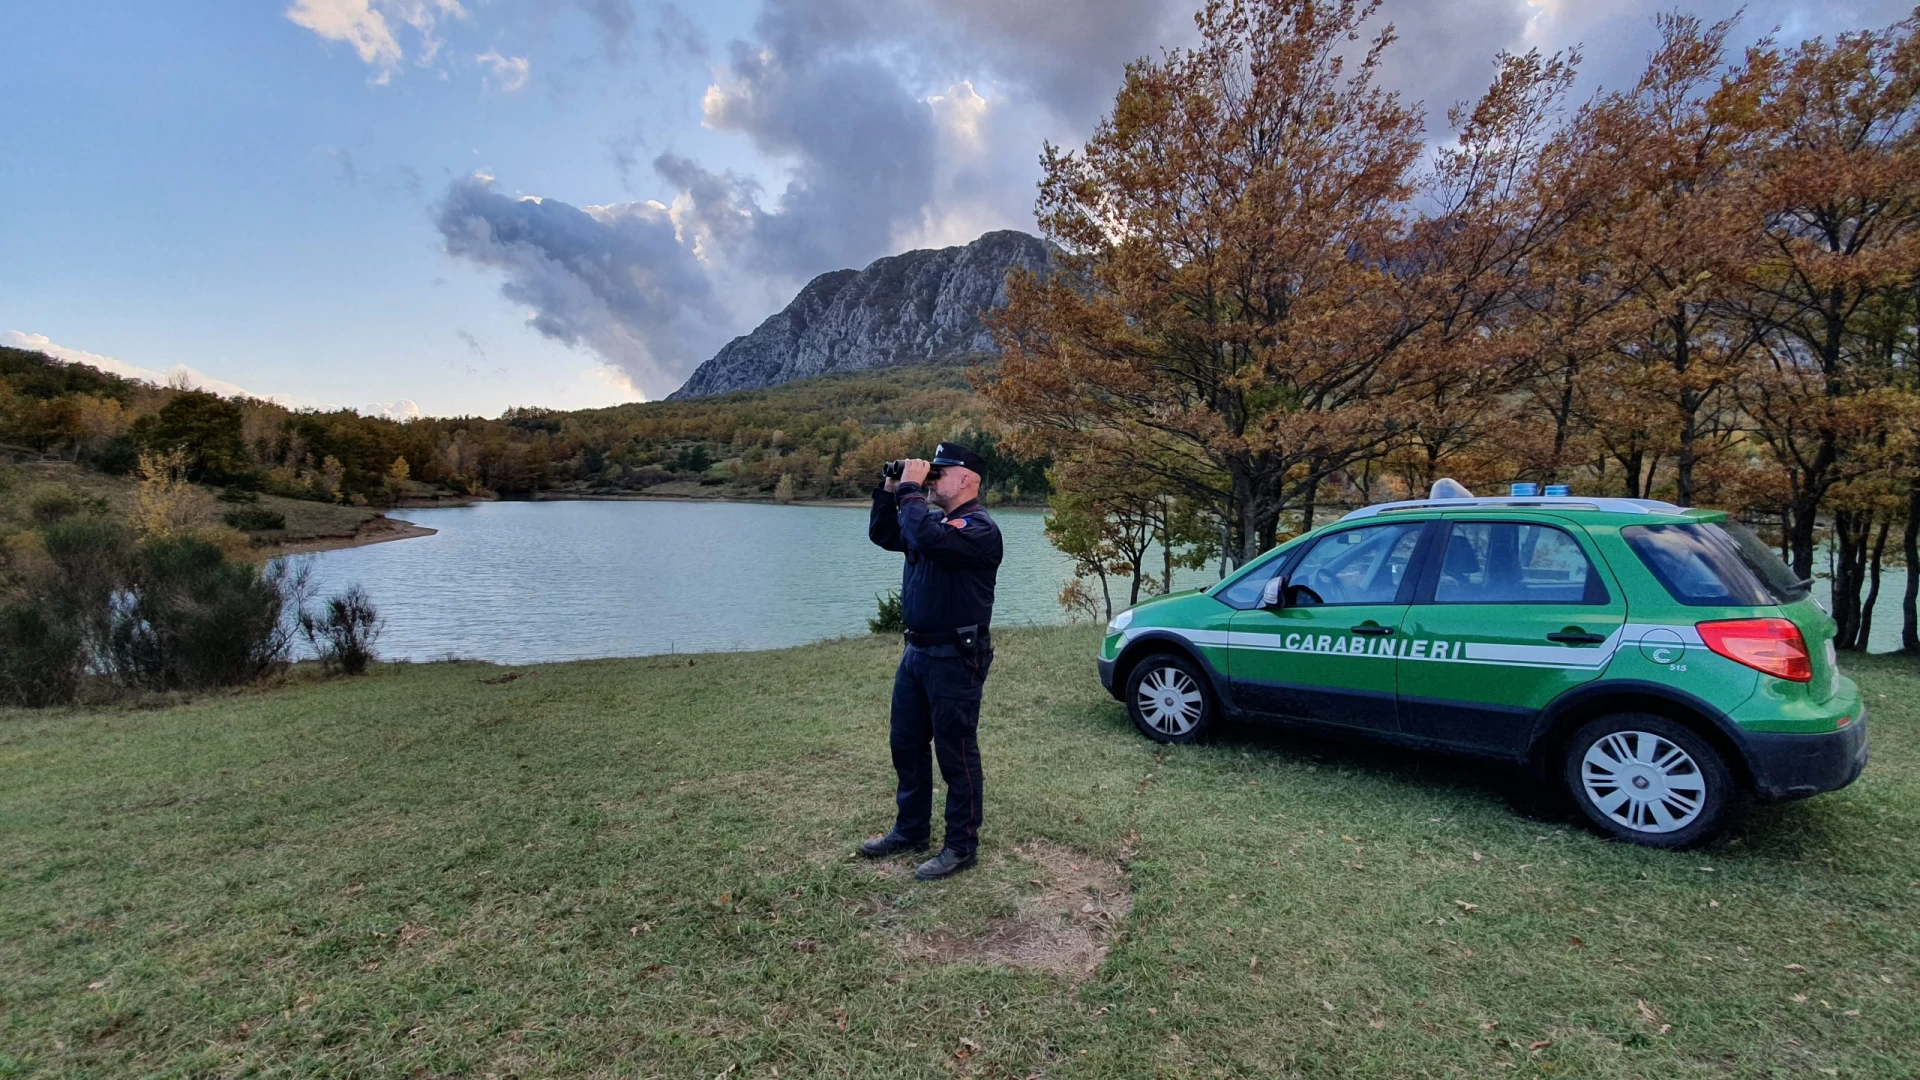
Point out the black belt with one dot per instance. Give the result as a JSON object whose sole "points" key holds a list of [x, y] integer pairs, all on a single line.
{"points": [[926, 639]]}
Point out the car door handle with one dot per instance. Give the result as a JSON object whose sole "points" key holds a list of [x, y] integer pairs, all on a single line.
{"points": [[1369, 628], [1577, 638]]}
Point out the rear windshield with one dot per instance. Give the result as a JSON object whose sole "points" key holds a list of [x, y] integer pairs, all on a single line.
{"points": [[1760, 558], [1714, 565]]}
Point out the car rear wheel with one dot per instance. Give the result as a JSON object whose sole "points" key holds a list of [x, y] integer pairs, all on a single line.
{"points": [[1167, 697], [1648, 780]]}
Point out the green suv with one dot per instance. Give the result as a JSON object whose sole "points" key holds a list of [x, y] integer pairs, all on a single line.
{"points": [[1661, 663]]}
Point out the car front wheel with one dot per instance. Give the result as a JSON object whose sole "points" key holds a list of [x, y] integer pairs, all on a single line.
{"points": [[1648, 780], [1168, 699]]}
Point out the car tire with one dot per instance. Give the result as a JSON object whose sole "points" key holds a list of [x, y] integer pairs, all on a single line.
{"points": [[1170, 700], [1648, 780]]}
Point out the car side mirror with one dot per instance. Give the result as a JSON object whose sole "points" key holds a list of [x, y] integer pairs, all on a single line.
{"points": [[1275, 592]]}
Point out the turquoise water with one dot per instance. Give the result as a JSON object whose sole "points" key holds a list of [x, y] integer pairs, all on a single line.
{"points": [[520, 582]]}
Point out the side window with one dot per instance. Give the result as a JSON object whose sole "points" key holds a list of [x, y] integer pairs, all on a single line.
{"points": [[1355, 566], [1245, 591], [1500, 562]]}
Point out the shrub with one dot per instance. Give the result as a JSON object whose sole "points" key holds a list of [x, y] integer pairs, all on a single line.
{"points": [[165, 503], [50, 503], [344, 631], [645, 476], [888, 620], [120, 456], [92, 562], [255, 519], [40, 660], [234, 493], [194, 619]]}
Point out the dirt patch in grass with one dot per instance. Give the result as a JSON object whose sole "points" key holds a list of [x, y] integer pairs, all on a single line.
{"points": [[1064, 918]]}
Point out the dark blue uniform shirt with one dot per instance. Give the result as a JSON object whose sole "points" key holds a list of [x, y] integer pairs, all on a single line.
{"points": [[951, 558]]}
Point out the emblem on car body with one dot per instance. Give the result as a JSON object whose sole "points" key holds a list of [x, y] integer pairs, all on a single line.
{"points": [[1662, 646]]}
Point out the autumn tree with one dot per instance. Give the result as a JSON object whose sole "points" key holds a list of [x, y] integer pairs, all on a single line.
{"points": [[1680, 230], [1239, 298], [1208, 233], [1840, 224], [207, 428]]}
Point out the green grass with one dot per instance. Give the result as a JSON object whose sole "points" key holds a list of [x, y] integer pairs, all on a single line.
{"points": [[640, 867]]}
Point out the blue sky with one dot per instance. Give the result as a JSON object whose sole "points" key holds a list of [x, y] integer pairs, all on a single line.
{"points": [[327, 201]]}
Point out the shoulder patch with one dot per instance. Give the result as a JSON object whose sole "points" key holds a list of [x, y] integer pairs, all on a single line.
{"points": [[958, 523]]}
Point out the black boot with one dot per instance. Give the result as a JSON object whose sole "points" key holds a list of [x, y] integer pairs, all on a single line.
{"points": [[880, 847], [946, 864]]}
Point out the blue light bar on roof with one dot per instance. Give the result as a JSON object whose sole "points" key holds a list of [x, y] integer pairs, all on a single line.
{"points": [[1524, 491], [1558, 490]]}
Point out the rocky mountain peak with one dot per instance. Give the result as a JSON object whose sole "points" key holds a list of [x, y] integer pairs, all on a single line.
{"points": [[918, 307]]}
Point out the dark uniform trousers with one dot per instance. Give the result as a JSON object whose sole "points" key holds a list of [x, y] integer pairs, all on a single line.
{"points": [[936, 699]]}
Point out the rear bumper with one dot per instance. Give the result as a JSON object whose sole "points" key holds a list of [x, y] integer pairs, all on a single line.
{"points": [[1796, 766], [1106, 676]]}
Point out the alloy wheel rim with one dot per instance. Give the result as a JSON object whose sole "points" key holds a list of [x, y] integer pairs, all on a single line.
{"points": [[1643, 782], [1170, 700]]}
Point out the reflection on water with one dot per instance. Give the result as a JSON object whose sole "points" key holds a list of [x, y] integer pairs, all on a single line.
{"points": [[518, 582]]}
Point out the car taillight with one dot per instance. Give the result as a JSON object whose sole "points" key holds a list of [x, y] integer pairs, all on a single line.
{"points": [[1770, 645]]}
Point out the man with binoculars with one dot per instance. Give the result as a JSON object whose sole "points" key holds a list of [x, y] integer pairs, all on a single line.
{"points": [[930, 510]]}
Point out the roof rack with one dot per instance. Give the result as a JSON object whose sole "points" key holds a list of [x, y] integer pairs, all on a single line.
{"points": [[1546, 502]]}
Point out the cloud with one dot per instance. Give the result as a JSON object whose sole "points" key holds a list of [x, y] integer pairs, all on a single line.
{"points": [[402, 410], [364, 25], [174, 376], [508, 73], [616, 280], [1066, 54], [879, 125], [614, 21], [676, 34], [858, 146], [342, 160]]}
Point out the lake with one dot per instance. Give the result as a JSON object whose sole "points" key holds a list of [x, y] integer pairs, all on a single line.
{"points": [[525, 582]]}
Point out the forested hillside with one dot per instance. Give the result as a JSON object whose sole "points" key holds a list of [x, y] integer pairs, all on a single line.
{"points": [[819, 438]]}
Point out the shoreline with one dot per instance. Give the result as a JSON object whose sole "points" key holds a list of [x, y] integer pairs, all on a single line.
{"points": [[378, 529], [853, 503], [381, 529], [640, 496]]}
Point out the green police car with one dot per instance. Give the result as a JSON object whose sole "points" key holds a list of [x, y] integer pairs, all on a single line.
{"points": [[1662, 663]]}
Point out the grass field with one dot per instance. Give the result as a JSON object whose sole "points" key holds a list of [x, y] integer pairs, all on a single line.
{"points": [[641, 868]]}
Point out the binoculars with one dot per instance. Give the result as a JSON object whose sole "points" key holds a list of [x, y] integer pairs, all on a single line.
{"points": [[892, 470]]}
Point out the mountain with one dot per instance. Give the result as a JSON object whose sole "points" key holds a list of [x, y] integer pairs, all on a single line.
{"points": [[920, 307]]}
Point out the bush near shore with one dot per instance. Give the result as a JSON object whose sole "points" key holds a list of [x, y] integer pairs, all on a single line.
{"points": [[101, 599], [640, 867]]}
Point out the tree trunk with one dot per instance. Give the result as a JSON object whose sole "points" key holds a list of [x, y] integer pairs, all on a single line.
{"points": [[1245, 527], [1630, 465], [1166, 545], [1910, 548], [1865, 634], [1563, 418], [1106, 594], [1803, 515], [1690, 403], [1850, 533], [1307, 512]]}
